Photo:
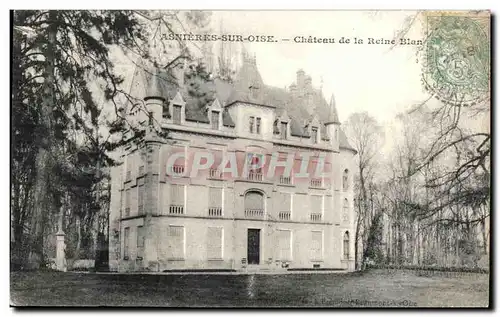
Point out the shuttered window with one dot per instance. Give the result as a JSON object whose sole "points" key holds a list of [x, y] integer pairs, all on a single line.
{"points": [[215, 120], [127, 202], [284, 245], [215, 197], [177, 194], [316, 245], [140, 199], [284, 206], [285, 201], [177, 198], [214, 243], [126, 242], [316, 204], [175, 242], [140, 241], [176, 117]]}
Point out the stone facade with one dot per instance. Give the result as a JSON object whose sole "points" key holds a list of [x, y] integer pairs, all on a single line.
{"points": [[159, 222]]}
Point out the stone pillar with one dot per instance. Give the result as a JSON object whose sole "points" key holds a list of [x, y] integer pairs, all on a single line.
{"points": [[60, 251]]}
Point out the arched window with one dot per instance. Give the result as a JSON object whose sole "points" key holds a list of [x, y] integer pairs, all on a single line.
{"points": [[254, 204], [346, 245], [345, 180], [345, 210]]}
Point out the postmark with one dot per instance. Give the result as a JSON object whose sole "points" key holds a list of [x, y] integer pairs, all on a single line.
{"points": [[457, 58]]}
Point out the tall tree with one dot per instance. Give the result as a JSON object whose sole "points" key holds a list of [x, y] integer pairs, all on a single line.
{"points": [[366, 136], [58, 55], [64, 76]]}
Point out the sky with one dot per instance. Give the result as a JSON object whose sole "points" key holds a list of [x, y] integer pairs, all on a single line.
{"points": [[362, 77]]}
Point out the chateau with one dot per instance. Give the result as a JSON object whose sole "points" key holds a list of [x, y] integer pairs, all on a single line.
{"points": [[215, 221]]}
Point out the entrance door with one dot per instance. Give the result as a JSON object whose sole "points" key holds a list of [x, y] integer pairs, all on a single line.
{"points": [[253, 253]]}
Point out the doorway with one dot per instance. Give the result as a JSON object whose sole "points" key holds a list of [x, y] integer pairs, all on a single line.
{"points": [[253, 246]]}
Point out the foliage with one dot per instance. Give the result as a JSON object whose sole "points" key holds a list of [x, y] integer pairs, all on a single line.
{"points": [[67, 118]]}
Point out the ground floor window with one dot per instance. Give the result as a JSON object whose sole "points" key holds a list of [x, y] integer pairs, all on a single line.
{"points": [[316, 245], [214, 243], [126, 242], [284, 245], [346, 245], [175, 242], [140, 241]]}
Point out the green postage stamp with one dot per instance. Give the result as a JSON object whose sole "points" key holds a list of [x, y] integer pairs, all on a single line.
{"points": [[457, 68]]}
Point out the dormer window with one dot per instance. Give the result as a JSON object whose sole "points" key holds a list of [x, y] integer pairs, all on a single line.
{"points": [[254, 124], [176, 117], [215, 120], [251, 123], [177, 109], [314, 135], [284, 130]]}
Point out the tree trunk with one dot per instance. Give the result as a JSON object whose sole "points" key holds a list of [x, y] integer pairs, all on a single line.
{"points": [[43, 201], [356, 242]]}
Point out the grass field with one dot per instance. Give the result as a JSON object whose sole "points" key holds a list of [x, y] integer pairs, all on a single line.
{"points": [[375, 288]]}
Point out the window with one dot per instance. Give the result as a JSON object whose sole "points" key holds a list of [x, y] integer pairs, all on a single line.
{"points": [[254, 124], [254, 204], [251, 124], [284, 130], [285, 203], [177, 114], [345, 210], [126, 238], [345, 180], [175, 242], [215, 202], [257, 126], [254, 160], [215, 120], [176, 199], [140, 241], [214, 171], [214, 243], [316, 207], [346, 245], [140, 199], [284, 245], [316, 245], [178, 168], [314, 135], [130, 166], [140, 163], [127, 202]]}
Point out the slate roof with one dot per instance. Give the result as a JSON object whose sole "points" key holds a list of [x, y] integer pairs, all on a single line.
{"points": [[149, 81], [248, 87]]}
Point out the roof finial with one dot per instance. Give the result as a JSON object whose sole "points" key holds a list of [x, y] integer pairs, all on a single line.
{"points": [[332, 115]]}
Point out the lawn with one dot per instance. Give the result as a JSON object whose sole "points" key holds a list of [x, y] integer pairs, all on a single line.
{"points": [[375, 288]]}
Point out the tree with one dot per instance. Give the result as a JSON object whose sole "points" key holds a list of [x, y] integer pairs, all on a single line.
{"points": [[64, 76], [366, 136], [373, 250]]}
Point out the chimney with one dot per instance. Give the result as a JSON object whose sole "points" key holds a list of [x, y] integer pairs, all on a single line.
{"points": [[307, 82], [178, 72], [300, 78]]}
